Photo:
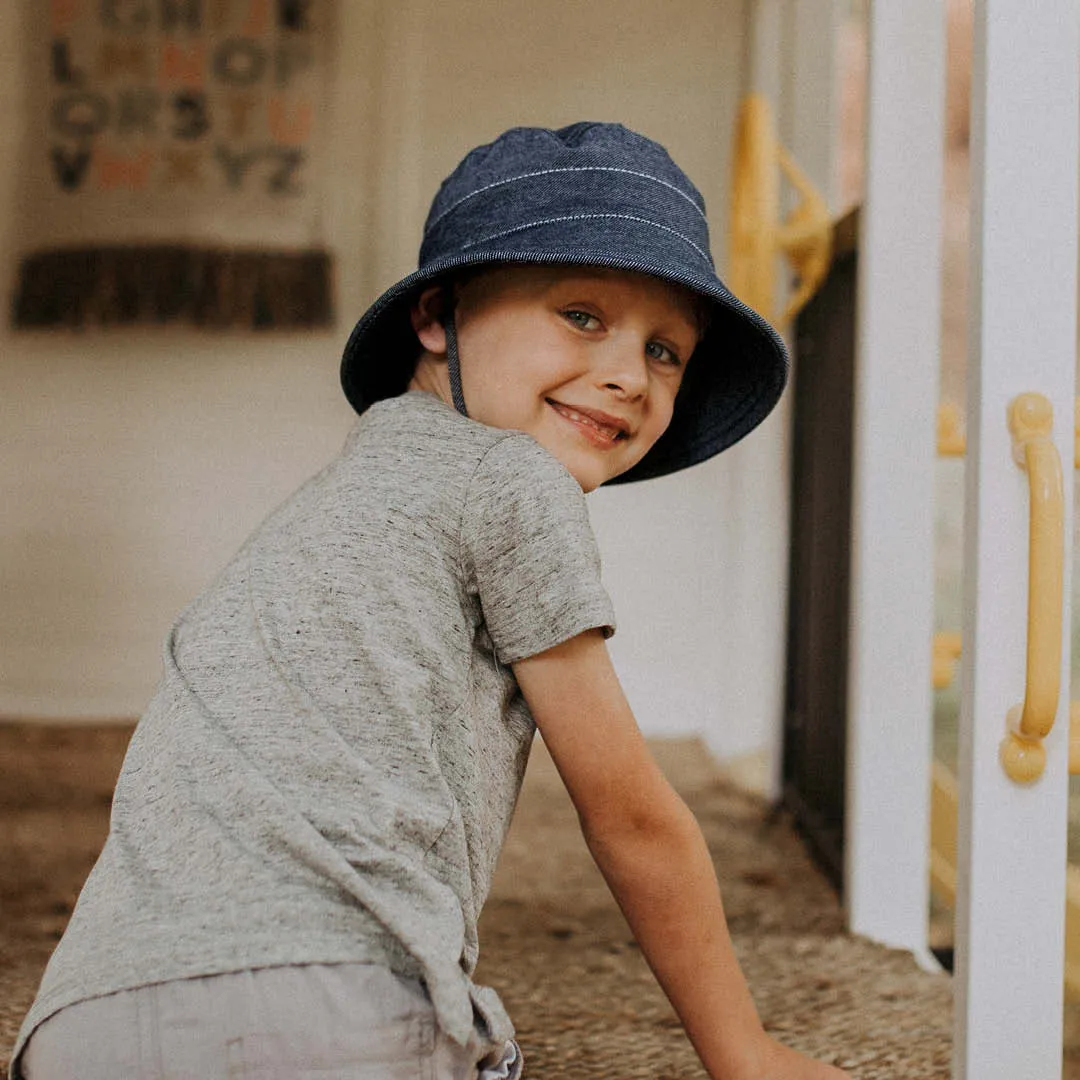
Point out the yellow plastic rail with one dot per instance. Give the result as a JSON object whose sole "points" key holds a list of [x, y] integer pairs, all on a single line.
{"points": [[950, 431], [945, 653], [757, 235], [1031, 418]]}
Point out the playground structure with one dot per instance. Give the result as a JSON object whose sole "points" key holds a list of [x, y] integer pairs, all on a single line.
{"points": [[994, 845]]}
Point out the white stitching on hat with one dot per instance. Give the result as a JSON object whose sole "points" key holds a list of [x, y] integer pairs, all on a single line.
{"points": [[576, 168], [585, 217]]}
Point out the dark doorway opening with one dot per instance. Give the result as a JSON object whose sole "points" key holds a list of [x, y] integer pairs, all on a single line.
{"points": [[815, 715]]}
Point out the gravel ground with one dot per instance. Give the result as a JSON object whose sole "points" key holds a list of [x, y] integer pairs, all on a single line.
{"points": [[555, 945]]}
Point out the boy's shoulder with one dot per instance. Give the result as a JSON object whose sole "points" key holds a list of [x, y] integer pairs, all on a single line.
{"points": [[418, 423]]}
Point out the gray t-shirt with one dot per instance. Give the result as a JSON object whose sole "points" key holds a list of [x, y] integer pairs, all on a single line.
{"points": [[329, 765]]}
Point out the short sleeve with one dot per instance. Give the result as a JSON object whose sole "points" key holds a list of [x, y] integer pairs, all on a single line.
{"points": [[530, 553]]}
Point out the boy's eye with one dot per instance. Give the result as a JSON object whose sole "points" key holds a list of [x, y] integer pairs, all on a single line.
{"points": [[581, 319], [655, 351]]}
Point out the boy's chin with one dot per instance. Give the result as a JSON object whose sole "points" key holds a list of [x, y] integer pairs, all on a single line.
{"points": [[590, 477]]}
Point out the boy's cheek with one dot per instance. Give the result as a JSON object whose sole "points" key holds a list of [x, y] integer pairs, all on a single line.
{"points": [[663, 423]]}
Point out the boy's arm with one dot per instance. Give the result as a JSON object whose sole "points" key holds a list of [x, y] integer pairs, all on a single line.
{"points": [[650, 850]]}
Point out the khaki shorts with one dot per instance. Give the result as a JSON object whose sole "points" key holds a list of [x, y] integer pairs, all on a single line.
{"points": [[310, 1022]]}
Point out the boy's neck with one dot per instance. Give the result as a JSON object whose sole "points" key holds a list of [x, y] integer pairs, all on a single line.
{"points": [[431, 375]]}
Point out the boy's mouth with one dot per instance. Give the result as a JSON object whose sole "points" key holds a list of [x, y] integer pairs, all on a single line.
{"points": [[601, 426]]}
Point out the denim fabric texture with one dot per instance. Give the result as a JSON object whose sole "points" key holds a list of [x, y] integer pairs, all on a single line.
{"points": [[592, 194]]}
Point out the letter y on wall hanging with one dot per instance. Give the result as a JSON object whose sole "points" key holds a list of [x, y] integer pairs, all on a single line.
{"points": [[172, 168]]}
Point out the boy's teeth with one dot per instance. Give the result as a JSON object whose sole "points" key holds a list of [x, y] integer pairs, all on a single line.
{"points": [[582, 418]]}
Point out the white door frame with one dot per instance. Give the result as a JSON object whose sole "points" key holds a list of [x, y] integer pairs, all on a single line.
{"points": [[1012, 838], [889, 738]]}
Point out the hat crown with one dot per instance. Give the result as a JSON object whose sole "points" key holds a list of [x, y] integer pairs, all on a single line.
{"points": [[588, 168]]}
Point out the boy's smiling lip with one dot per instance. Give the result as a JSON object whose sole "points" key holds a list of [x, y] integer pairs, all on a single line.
{"points": [[601, 427]]}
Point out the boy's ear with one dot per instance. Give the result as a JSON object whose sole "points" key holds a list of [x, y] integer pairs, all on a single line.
{"points": [[427, 319]]}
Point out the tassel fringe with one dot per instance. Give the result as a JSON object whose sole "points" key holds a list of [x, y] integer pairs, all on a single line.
{"points": [[210, 288]]}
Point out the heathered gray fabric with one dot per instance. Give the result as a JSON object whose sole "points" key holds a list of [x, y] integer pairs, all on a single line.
{"points": [[296, 1022], [329, 765]]}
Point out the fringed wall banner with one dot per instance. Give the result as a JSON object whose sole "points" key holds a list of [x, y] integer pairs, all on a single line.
{"points": [[173, 166]]}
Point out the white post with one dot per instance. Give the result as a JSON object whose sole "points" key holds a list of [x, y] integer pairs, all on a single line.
{"points": [[891, 615], [1011, 858]]}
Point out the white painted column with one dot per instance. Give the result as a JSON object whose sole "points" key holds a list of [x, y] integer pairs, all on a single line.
{"points": [[1011, 859], [889, 692]]}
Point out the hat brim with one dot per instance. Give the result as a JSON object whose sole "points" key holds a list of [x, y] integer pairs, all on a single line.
{"points": [[732, 382]]}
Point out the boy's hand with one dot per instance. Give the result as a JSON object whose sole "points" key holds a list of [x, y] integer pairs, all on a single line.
{"points": [[779, 1062]]}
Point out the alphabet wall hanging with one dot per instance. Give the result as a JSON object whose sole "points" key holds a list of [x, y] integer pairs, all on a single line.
{"points": [[173, 164]]}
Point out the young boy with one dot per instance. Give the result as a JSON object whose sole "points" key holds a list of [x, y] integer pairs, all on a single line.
{"points": [[310, 810]]}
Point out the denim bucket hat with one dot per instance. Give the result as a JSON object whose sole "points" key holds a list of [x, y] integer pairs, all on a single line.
{"points": [[592, 194]]}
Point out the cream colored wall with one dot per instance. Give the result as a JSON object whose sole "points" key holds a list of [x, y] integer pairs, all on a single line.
{"points": [[134, 463]]}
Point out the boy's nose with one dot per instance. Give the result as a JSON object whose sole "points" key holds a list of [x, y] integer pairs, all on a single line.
{"points": [[624, 371]]}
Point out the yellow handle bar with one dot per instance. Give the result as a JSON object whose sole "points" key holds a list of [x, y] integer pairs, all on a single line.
{"points": [[1031, 418]]}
